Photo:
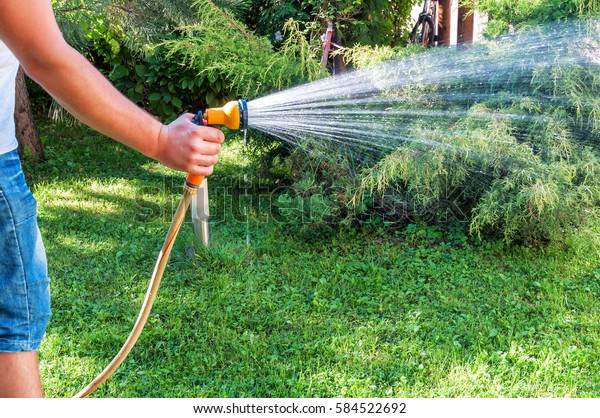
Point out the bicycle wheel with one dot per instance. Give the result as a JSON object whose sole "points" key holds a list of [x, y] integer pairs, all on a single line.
{"points": [[422, 33]]}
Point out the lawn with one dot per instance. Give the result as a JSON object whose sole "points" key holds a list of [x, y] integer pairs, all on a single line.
{"points": [[277, 309]]}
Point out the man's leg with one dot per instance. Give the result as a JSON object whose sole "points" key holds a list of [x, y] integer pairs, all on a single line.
{"points": [[19, 375], [24, 284]]}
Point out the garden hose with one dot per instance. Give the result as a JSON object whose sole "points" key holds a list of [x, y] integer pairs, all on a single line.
{"points": [[233, 115], [189, 190]]}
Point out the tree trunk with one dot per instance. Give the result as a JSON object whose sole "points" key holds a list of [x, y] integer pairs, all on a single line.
{"points": [[27, 134]]}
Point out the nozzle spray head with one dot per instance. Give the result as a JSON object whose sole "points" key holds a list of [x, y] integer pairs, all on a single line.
{"points": [[234, 115]]}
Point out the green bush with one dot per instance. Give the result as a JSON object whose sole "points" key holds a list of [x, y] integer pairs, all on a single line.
{"points": [[242, 66], [207, 60], [367, 22], [519, 155], [508, 145], [504, 14]]}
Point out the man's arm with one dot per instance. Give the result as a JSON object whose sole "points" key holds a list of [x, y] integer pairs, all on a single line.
{"points": [[29, 29]]}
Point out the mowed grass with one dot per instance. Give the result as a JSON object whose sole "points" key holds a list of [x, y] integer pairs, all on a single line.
{"points": [[280, 309]]}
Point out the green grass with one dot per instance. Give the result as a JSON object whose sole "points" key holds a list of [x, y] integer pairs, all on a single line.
{"points": [[303, 311]]}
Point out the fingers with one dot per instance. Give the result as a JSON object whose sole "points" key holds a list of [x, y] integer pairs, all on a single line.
{"points": [[191, 148], [203, 159], [200, 145], [204, 144], [200, 170], [206, 160], [208, 133]]}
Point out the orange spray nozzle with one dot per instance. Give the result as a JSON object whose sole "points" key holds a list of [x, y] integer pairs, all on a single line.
{"points": [[228, 115], [233, 114]]}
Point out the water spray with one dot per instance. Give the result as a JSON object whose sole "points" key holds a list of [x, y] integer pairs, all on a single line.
{"points": [[233, 115]]}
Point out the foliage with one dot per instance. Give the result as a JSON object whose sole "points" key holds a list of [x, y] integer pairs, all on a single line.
{"points": [[363, 56], [265, 17], [238, 7], [296, 49], [135, 22], [179, 56], [554, 193], [366, 22], [507, 14], [118, 37], [518, 157], [362, 312], [185, 60], [248, 68]]}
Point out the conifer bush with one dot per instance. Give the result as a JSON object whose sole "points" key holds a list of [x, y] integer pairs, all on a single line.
{"points": [[173, 57], [520, 135]]}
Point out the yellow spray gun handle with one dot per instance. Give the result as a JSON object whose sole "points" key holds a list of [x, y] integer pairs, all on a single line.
{"points": [[233, 114]]}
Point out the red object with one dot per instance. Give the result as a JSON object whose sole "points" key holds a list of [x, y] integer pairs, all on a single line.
{"points": [[327, 43]]}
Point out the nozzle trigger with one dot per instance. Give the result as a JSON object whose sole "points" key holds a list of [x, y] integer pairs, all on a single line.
{"points": [[199, 118]]}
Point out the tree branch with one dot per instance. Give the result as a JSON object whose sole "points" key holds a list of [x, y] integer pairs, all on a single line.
{"points": [[230, 20]]}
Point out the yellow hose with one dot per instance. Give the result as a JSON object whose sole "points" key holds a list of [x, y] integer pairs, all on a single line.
{"points": [[188, 192]]}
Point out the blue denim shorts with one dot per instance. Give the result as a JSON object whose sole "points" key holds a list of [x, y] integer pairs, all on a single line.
{"points": [[24, 283]]}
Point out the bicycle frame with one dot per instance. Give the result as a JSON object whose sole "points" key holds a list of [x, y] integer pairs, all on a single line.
{"points": [[431, 8], [426, 5], [425, 30]]}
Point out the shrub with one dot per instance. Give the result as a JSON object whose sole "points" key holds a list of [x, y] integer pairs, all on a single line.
{"points": [[502, 137], [368, 22], [247, 67], [505, 14], [199, 58]]}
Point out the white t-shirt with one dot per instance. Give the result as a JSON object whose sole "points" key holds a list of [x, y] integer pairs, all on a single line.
{"points": [[8, 73]]}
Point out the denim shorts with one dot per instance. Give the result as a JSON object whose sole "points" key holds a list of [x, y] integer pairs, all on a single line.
{"points": [[24, 283]]}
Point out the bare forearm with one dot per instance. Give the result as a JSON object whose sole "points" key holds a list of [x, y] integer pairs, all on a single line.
{"points": [[29, 29], [90, 97], [85, 93]]}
